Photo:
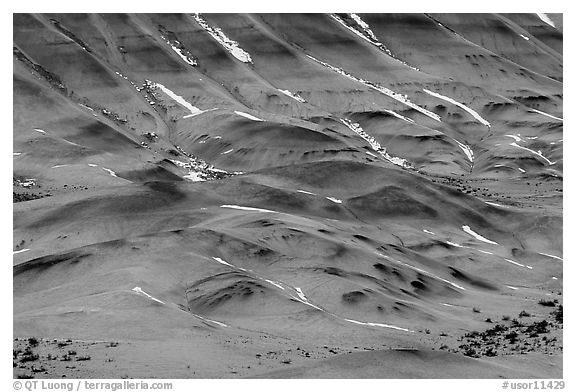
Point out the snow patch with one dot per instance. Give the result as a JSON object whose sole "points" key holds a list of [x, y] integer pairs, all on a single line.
{"points": [[460, 105], [467, 150], [293, 95], [194, 111], [554, 257], [454, 244], [512, 287], [546, 114], [16, 154], [356, 128], [546, 19], [249, 116], [112, 173], [39, 130], [187, 59], [468, 230], [228, 44], [518, 264], [218, 259], [427, 231], [493, 204], [526, 38], [485, 251], [306, 192], [398, 97], [333, 199], [539, 153], [378, 325], [57, 166], [408, 120], [210, 321], [246, 208], [20, 251], [517, 138], [140, 291], [227, 152]]}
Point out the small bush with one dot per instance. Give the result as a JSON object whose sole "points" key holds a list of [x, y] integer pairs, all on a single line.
{"points": [[476, 310], [558, 314], [523, 314], [505, 318], [546, 302], [33, 342], [83, 358]]}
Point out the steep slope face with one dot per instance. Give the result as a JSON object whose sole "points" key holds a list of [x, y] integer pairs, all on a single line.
{"points": [[262, 192]]}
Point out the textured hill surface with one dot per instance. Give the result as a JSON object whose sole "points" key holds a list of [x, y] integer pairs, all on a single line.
{"points": [[288, 195]]}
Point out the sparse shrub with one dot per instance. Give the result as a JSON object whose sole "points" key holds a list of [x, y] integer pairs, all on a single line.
{"points": [[83, 358], [71, 352], [33, 342], [512, 337], [558, 314], [505, 318], [65, 358], [476, 310], [546, 302], [523, 314], [29, 357], [488, 320]]}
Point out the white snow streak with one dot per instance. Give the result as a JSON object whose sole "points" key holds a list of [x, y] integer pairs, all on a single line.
{"points": [[485, 251], [512, 287], [20, 251], [518, 264], [293, 95], [467, 150], [408, 120], [468, 230], [546, 114], [399, 97], [183, 56], [227, 152], [546, 19], [493, 204], [16, 154], [249, 116], [554, 257], [454, 244], [427, 231], [333, 199], [355, 127], [140, 291], [110, 172], [228, 44], [193, 109], [246, 208], [460, 105], [378, 325], [515, 137], [39, 130], [368, 35], [306, 192], [211, 321], [526, 38], [539, 153]]}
